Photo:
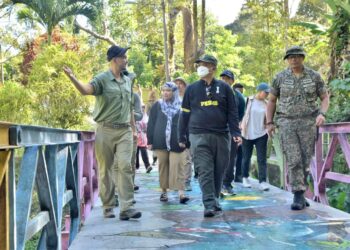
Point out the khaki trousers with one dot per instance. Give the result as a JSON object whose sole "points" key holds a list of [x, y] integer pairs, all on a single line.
{"points": [[188, 165], [113, 148], [172, 169], [133, 160]]}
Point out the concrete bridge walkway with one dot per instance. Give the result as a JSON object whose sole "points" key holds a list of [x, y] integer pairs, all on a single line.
{"points": [[251, 220]]}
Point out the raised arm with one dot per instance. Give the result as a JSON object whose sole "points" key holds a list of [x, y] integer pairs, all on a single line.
{"points": [[84, 89]]}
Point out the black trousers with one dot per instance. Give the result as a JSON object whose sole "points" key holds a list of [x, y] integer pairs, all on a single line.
{"points": [[144, 155], [261, 151], [229, 171], [211, 155]]}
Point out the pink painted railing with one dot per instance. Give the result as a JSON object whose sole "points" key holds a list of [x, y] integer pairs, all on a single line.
{"points": [[88, 181], [321, 165]]}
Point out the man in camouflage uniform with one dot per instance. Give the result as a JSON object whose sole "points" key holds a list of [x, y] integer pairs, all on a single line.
{"points": [[297, 89]]}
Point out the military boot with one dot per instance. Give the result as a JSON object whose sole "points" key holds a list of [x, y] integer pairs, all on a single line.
{"points": [[298, 201]]}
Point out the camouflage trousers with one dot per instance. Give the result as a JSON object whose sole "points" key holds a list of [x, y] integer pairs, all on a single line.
{"points": [[298, 144]]}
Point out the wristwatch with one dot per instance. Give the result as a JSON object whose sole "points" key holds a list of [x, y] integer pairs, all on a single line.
{"points": [[322, 113], [270, 123]]}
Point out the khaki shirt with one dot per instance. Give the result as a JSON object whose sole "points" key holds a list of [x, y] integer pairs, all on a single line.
{"points": [[113, 98], [297, 96]]}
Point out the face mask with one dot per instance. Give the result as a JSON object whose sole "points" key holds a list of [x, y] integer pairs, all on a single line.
{"points": [[202, 71]]}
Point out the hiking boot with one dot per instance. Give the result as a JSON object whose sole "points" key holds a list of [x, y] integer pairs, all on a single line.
{"points": [[108, 213], [228, 190], [163, 197], [148, 169], [263, 186], [298, 201], [246, 183], [188, 187], [184, 199], [130, 214], [209, 213]]}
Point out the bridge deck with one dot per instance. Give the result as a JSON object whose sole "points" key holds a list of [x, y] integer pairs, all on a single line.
{"points": [[251, 220]]}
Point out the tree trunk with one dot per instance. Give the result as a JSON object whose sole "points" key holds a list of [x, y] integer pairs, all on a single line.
{"points": [[173, 12], [195, 27], [165, 36], [188, 40], [202, 50]]}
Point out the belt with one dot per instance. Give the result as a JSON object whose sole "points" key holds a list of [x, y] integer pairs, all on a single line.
{"points": [[281, 115], [114, 125]]}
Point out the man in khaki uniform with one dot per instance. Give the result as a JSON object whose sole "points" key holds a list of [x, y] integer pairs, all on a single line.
{"points": [[297, 89], [113, 144]]}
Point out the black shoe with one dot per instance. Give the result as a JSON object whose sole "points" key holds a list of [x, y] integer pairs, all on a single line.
{"points": [[133, 201], [195, 175], [184, 199], [298, 201], [148, 169], [136, 188], [129, 214], [228, 190], [209, 213], [163, 197]]}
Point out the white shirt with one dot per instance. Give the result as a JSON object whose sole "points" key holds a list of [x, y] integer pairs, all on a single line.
{"points": [[256, 126]]}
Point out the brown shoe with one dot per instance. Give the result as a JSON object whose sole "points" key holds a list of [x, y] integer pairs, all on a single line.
{"points": [[129, 214], [108, 213]]}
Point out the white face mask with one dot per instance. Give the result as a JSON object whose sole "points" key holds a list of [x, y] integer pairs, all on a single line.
{"points": [[202, 71]]}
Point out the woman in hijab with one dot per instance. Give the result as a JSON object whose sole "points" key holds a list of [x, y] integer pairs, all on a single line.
{"points": [[162, 138]]}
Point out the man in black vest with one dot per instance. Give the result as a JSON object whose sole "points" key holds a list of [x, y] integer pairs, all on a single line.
{"points": [[209, 113]]}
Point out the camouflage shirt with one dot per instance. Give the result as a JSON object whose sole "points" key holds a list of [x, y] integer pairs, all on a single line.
{"points": [[297, 96]]}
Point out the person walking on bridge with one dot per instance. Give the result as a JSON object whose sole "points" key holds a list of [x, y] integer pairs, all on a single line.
{"points": [[297, 89], [232, 172], [114, 133], [210, 114]]}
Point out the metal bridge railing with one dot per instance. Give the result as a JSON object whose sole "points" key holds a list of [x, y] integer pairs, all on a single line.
{"points": [[62, 166]]}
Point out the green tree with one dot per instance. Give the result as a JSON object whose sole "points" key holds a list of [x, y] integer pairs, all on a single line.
{"points": [[51, 13], [57, 103], [15, 102]]}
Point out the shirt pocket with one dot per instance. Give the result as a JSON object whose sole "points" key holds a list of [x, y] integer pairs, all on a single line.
{"points": [[287, 88], [310, 92]]}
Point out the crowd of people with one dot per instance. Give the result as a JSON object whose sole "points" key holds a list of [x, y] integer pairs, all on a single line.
{"points": [[207, 124]]}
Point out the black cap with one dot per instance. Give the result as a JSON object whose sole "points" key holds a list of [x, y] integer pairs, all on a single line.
{"points": [[238, 86], [208, 59], [294, 50], [228, 73], [116, 51]]}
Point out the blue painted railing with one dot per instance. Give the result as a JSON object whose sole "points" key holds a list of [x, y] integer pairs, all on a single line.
{"points": [[62, 165]]}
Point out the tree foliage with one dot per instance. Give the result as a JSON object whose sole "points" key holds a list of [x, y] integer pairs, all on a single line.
{"points": [[57, 102]]}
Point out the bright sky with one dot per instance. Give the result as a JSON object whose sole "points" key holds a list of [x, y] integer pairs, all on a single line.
{"points": [[228, 10]]}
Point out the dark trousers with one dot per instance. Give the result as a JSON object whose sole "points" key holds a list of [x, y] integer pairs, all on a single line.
{"points": [[261, 150], [229, 171], [238, 169], [144, 155], [211, 153]]}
